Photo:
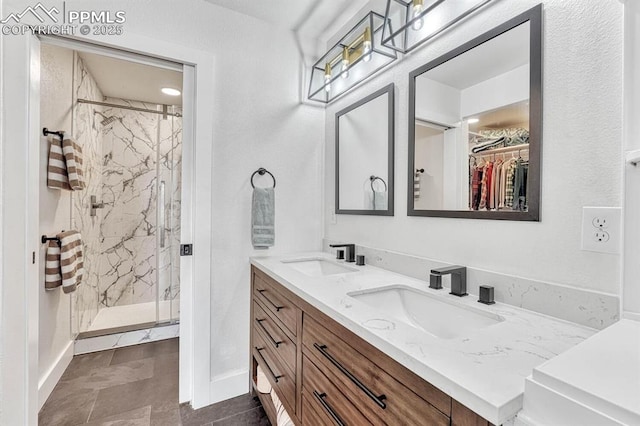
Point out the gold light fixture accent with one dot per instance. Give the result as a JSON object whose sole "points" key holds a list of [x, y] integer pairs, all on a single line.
{"points": [[356, 48], [418, 6], [327, 77], [345, 62]]}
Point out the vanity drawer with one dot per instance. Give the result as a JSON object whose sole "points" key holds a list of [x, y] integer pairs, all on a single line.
{"points": [[282, 380], [310, 416], [366, 384], [325, 398], [273, 335], [265, 291]]}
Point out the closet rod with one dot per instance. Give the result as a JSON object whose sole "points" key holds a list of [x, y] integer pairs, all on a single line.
{"points": [[520, 147], [85, 101]]}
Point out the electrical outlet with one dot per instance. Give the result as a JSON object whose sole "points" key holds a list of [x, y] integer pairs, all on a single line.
{"points": [[601, 229]]}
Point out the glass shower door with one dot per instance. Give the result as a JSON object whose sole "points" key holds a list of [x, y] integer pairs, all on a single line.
{"points": [[168, 238]]}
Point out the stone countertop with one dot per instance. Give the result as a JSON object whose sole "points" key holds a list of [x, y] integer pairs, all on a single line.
{"points": [[484, 369]]}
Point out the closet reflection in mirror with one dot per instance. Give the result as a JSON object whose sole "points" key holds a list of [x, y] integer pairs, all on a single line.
{"points": [[364, 156], [475, 127]]}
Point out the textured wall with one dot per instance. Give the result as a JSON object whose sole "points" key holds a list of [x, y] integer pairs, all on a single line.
{"points": [[581, 155], [55, 206]]}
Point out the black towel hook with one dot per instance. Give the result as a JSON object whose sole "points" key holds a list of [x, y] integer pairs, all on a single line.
{"points": [[261, 171], [48, 132], [373, 178]]}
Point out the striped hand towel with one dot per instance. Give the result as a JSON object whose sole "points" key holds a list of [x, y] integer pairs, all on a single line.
{"points": [[65, 165], [64, 265]]}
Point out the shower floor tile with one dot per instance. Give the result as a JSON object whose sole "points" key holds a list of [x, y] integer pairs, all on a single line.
{"points": [[128, 315], [136, 386]]}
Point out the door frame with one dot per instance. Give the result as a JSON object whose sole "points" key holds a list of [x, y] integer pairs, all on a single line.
{"points": [[19, 217]]}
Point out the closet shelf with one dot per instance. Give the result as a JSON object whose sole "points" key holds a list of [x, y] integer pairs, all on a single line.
{"points": [[513, 148]]}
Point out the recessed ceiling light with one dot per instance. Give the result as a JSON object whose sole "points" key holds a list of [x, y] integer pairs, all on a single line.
{"points": [[171, 92], [473, 120]]}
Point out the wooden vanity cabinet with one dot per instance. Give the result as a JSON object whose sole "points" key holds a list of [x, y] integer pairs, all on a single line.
{"points": [[326, 375]]}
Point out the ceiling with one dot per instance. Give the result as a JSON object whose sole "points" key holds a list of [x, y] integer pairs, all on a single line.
{"points": [[117, 78], [318, 19], [494, 57], [515, 115]]}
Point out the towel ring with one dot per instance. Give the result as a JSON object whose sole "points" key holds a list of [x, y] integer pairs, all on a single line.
{"points": [[375, 178], [261, 171]]}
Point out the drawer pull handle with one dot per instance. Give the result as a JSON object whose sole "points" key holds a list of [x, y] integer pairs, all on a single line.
{"points": [[264, 290], [275, 342], [267, 365], [377, 399], [320, 397]]}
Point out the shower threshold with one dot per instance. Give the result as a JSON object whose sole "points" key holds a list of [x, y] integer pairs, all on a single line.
{"points": [[120, 319]]}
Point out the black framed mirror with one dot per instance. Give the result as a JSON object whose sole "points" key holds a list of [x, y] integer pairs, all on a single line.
{"points": [[475, 127], [365, 155]]}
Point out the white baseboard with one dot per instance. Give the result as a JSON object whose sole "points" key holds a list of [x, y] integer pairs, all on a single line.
{"points": [[228, 386], [53, 375]]}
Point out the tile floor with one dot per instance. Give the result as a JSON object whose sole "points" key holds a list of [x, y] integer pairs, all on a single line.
{"points": [[136, 386]]}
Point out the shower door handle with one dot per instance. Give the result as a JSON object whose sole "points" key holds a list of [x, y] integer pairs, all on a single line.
{"points": [[162, 217]]}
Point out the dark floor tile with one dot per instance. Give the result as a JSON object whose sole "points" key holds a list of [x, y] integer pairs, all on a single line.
{"points": [[163, 393], [138, 417], [105, 377], [83, 364], [126, 354], [71, 410], [166, 365], [166, 417], [218, 411], [160, 347], [254, 417]]}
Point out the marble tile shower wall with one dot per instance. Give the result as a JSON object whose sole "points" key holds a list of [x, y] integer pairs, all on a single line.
{"points": [[131, 167], [87, 131]]}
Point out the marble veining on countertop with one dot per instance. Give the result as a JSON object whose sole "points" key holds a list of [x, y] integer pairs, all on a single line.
{"points": [[484, 369]]}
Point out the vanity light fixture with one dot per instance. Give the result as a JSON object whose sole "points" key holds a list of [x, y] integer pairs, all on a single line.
{"points": [[170, 91], [357, 56], [409, 23], [345, 62]]}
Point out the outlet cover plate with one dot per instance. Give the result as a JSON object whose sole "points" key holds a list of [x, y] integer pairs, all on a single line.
{"points": [[601, 229]]}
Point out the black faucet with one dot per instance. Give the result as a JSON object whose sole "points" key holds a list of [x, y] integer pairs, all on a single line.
{"points": [[350, 251], [458, 279]]}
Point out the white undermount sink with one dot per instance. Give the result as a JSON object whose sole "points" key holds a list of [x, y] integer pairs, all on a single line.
{"points": [[318, 267], [430, 313]]}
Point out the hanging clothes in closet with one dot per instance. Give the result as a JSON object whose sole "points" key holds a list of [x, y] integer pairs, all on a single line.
{"points": [[499, 184]]}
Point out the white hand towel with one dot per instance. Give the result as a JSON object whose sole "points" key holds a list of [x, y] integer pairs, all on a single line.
{"points": [[262, 383]]}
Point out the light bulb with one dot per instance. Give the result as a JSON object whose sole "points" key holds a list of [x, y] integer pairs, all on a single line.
{"points": [[345, 62], [327, 77], [417, 9], [366, 45]]}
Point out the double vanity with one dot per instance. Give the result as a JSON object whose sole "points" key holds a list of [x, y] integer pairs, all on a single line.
{"points": [[347, 344]]}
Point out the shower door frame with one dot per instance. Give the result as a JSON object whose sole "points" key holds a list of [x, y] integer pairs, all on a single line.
{"points": [[19, 368]]}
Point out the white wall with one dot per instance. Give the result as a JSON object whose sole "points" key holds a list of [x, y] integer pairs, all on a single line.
{"points": [[430, 157], [56, 87], [631, 279], [581, 154], [437, 102], [501, 90]]}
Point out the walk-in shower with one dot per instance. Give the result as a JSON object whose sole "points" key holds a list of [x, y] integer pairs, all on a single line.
{"points": [[129, 213]]}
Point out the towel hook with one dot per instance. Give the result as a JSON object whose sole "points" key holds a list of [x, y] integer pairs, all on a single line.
{"points": [[373, 178], [44, 239], [48, 132], [261, 171]]}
